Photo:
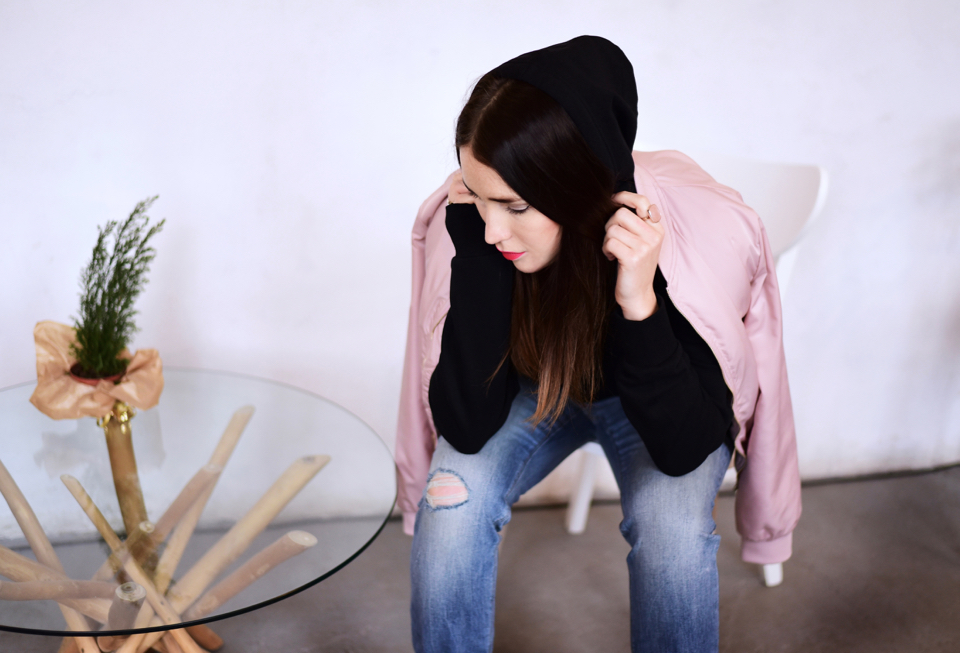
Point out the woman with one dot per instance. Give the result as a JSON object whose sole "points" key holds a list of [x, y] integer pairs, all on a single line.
{"points": [[561, 330]]}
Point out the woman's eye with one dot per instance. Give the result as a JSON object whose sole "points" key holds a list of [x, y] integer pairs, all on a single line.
{"points": [[517, 210]]}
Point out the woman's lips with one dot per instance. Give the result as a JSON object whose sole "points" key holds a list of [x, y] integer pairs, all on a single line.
{"points": [[512, 256]]}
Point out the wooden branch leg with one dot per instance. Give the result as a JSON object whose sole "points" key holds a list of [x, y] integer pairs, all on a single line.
{"points": [[69, 645], [123, 463], [228, 441], [205, 637], [284, 548], [126, 606], [160, 605], [170, 643], [127, 601], [235, 541], [166, 644], [134, 642], [201, 487], [142, 547], [205, 477], [54, 590], [184, 530], [201, 634], [165, 641], [108, 643], [239, 537], [42, 548], [23, 569], [144, 541]]}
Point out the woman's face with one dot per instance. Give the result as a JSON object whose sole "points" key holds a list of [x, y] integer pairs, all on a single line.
{"points": [[522, 234]]}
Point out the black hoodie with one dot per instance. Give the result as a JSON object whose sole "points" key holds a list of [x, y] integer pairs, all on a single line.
{"points": [[669, 383]]}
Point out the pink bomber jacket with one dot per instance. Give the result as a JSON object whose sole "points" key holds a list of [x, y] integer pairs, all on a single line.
{"points": [[721, 277]]}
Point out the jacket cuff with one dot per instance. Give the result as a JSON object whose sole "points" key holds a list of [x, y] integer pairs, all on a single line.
{"points": [[768, 552], [409, 520]]}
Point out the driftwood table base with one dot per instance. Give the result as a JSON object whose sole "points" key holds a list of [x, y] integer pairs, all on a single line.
{"points": [[150, 598]]}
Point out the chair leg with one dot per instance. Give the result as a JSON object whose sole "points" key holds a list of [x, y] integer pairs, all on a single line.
{"points": [[579, 508], [773, 574], [729, 479]]}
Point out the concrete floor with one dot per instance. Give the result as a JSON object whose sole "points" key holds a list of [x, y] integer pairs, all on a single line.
{"points": [[876, 568]]}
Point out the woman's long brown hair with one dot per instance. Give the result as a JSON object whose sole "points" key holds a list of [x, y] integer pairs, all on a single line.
{"points": [[561, 312]]}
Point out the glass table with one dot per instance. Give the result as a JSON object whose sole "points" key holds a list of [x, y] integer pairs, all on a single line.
{"points": [[334, 517]]}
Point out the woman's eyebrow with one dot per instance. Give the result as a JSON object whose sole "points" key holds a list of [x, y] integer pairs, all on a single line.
{"points": [[499, 200]]}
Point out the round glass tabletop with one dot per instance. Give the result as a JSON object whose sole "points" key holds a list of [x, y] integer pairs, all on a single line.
{"points": [[276, 520]]}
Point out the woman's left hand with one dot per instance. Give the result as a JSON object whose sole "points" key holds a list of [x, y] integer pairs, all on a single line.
{"points": [[635, 240], [457, 193]]}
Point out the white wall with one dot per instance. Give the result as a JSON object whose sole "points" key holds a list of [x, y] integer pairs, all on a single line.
{"points": [[291, 143]]}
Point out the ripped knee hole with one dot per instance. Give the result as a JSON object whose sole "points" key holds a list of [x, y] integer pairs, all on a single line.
{"points": [[446, 490]]}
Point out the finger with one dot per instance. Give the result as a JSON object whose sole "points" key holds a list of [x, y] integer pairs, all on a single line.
{"points": [[632, 223], [457, 193], [641, 204], [616, 249], [624, 217], [637, 202], [606, 252], [639, 246], [607, 240], [647, 225], [625, 236], [627, 248]]}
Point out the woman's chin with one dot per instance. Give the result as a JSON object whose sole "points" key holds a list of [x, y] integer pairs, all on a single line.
{"points": [[528, 265]]}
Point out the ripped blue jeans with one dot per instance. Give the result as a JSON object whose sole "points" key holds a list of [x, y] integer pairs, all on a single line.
{"points": [[668, 522]]}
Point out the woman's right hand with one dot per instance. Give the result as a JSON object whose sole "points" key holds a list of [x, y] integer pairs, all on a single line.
{"points": [[458, 193], [634, 239]]}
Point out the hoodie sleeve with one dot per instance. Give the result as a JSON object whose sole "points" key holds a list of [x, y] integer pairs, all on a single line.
{"points": [[671, 387], [468, 401]]}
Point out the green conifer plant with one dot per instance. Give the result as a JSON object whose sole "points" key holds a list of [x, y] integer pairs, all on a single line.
{"points": [[110, 285]]}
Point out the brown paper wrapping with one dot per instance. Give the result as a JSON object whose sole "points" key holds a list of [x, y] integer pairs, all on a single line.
{"points": [[58, 396]]}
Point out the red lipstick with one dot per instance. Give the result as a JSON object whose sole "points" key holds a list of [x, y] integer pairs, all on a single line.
{"points": [[512, 256]]}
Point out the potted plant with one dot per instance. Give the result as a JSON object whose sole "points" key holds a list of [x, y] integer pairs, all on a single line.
{"points": [[87, 370], [111, 283]]}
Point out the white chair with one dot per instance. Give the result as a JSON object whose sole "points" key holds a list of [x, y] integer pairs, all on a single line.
{"points": [[788, 197]]}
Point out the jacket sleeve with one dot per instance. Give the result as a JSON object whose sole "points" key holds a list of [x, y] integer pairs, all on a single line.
{"points": [[768, 501], [468, 401], [415, 441]]}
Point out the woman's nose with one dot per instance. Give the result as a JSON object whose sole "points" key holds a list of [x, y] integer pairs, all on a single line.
{"points": [[496, 230]]}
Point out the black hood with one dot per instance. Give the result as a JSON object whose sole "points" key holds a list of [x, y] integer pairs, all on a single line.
{"points": [[592, 79]]}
